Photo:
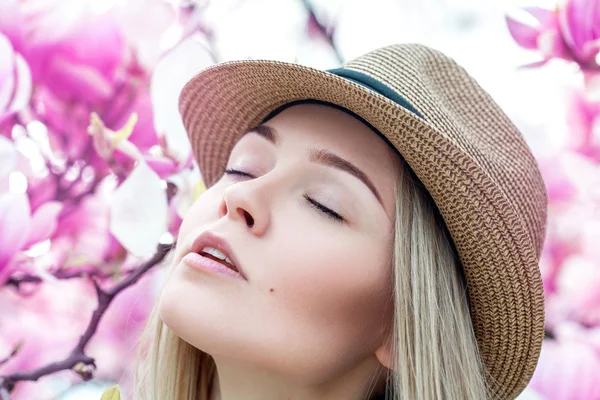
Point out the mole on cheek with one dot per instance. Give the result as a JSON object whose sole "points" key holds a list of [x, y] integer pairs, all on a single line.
{"points": [[270, 290]]}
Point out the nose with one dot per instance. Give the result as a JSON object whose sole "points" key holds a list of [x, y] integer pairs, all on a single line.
{"points": [[244, 202]]}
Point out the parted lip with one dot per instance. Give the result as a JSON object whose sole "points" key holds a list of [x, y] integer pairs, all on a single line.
{"points": [[209, 239]]}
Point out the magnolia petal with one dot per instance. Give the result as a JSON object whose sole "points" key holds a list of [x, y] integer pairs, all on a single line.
{"points": [[15, 220], [547, 18], [169, 77], [525, 35], [43, 222], [163, 166], [101, 138], [551, 44], [112, 393], [24, 84], [107, 141], [129, 149], [9, 156], [138, 211], [7, 78], [535, 64]]}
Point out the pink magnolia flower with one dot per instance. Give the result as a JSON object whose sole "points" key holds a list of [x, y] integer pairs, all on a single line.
{"points": [[72, 51], [569, 32], [121, 153], [544, 35], [19, 229], [81, 62], [578, 20]]}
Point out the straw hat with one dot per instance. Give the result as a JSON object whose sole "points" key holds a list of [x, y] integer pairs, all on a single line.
{"points": [[470, 157]]}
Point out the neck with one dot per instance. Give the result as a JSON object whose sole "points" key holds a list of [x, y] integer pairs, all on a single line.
{"points": [[236, 381]]}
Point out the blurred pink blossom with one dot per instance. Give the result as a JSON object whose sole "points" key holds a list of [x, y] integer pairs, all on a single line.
{"points": [[544, 35], [569, 366], [15, 81], [75, 53], [20, 229], [569, 263], [81, 62], [78, 202], [568, 32], [48, 323], [82, 236], [107, 142], [584, 123], [578, 20], [578, 285], [119, 332]]}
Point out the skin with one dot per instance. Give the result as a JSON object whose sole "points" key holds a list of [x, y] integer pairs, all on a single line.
{"points": [[312, 319]]}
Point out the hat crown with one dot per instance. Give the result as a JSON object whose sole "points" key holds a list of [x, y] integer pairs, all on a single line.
{"points": [[452, 101]]}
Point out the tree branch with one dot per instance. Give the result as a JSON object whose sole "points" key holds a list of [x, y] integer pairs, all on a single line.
{"points": [[77, 360], [86, 271]]}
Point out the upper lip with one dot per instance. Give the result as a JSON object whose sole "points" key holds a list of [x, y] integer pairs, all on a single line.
{"points": [[209, 239]]}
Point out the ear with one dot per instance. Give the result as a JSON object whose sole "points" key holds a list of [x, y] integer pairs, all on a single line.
{"points": [[384, 354]]}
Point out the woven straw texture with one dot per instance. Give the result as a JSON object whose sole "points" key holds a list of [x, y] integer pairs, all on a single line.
{"points": [[470, 157]]}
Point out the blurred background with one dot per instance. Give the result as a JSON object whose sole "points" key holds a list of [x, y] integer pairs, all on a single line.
{"points": [[96, 170]]}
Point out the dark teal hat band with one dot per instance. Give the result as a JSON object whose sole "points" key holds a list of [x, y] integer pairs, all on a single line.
{"points": [[363, 80], [376, 86]]}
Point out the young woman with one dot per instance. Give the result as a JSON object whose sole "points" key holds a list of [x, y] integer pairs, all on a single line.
{"points": [[368, 232]]}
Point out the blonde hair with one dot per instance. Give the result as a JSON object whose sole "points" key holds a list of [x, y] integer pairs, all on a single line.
{"points": [[433, 342]]}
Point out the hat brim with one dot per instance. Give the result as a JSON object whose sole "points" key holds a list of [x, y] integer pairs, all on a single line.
{"points": [[503, 280]]}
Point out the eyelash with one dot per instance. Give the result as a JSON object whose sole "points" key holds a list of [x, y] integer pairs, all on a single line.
{"points": [[237, 172], [327, 211], [320, 207]]}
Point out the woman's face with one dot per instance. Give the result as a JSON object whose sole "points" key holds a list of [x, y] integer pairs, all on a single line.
{"points": [[306, 209]]}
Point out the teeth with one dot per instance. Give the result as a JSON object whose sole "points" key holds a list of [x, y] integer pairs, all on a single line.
{"points": [[216, 253]]}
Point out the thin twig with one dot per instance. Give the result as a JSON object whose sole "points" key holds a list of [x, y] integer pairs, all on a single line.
{"points": [[77, 360], [327, 32], [85, 271], [12, 353]]}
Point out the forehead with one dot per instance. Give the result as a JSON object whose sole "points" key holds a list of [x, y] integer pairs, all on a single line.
{"points": [[306, 126]]}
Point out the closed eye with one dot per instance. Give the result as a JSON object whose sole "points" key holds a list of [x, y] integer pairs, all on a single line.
{"points": [[327, 211], [320, 207], [229, 171]]}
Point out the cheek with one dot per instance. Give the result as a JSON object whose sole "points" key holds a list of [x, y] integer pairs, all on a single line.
{"points": [[204, 209], [336, 291], [341, 281]]}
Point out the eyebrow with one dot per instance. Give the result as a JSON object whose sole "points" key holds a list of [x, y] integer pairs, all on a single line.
{"points": [[322, 157], [267, 132]]}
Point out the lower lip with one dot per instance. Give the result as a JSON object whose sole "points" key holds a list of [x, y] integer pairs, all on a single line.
{"points": [[202, 263]]}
